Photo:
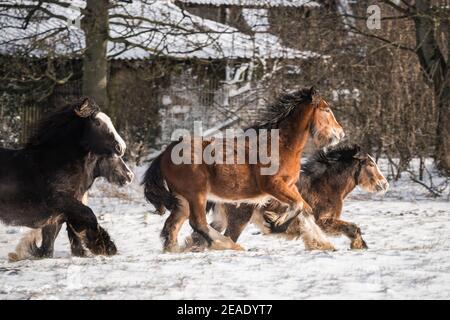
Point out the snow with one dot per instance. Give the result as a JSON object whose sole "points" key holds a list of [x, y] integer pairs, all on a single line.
{"points": [[408, 234], [345, 9], [149, 27]]}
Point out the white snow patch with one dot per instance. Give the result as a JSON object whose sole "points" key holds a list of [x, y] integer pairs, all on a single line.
{"points": [[408, 235]]}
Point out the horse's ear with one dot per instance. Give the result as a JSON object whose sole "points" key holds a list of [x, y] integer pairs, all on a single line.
{"points": [[359, 154], [315, 96], [356, 149], [86, 109]]}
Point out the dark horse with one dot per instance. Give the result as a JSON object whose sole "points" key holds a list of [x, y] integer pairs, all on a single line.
{"points": [[295, 116], [326, 180], [114, 169], [39, 184]]}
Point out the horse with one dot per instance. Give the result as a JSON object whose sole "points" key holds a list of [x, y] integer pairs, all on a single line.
{"points": [[113, 169], [39, 182], [326, 180], [295, 117]]}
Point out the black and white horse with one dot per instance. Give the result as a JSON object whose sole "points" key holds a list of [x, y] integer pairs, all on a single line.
{"points": [[40, 183], [113, 169]]}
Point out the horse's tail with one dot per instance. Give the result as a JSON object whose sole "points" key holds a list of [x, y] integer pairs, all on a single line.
{"points": [[155, 190], [27, 247]]}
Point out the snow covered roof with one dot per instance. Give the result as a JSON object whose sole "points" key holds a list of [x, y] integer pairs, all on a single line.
{"points": [[138, 30], [255, 3]]}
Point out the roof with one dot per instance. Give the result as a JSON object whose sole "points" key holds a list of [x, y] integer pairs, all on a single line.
{"points": [[255, 3], [150, 28]]}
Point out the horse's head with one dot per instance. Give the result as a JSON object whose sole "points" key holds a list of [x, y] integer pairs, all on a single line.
{"points": [[325, 130], [115, 170], [369, 176], [99, 135]]}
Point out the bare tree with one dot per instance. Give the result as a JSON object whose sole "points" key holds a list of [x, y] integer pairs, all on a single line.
{"points": [[431, 21], [137, 30]]}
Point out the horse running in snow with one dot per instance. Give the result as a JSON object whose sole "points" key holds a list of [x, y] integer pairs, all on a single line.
{"points": [[185, 188]]}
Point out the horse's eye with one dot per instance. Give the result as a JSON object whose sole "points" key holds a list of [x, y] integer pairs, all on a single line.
{"points": [[327, 110], [97, 122]]}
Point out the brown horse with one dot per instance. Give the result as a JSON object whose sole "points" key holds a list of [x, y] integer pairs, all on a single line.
{"points": [[294, 117], [326, 180]]}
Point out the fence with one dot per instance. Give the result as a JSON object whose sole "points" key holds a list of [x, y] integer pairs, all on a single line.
{"points": [[212, 104]]}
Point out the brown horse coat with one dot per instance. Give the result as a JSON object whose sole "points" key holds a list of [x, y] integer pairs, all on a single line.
{"points": [[296, 116], [327, 179]]}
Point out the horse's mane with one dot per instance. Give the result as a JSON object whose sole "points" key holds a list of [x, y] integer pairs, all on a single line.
{"points": [[333, 161], [282, 108], [58, 127]]}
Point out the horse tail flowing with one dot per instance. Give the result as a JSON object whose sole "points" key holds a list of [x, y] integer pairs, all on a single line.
{"points": [[155, 190]]}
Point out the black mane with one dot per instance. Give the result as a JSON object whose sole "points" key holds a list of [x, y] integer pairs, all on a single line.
{"points": [[332, 161], [282, 108], [58, 128]]}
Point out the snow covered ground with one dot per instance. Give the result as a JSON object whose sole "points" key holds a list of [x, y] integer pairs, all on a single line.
{"points": [[407, 232]]}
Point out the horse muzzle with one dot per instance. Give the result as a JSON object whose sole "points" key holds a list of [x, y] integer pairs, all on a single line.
{"points": [[130, 177], [382, 186]]}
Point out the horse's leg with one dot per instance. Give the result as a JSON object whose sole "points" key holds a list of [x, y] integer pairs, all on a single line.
{"points": [[294, 231], [85, 225], [288, 195], [229, 217], [220, 219], [312, 235], [76, 244], [197, 220], [28, 248], [172, 226], [339, 227], [49, 234], [238, 218], [219, 222]]}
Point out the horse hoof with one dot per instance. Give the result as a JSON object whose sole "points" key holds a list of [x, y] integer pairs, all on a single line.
{"points": [[320, 246], [13, 257], [238, 247], [225, 245], [173, 249], [111, 249], [196, 248], [79, 253], [108, 249], [327, 247], [359, 245]]}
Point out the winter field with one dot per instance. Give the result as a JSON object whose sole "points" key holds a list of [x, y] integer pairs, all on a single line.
{"points": [[407, 231]]}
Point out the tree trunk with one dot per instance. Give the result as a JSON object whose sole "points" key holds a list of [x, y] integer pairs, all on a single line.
{"points": [[437, 71], [443, 131], [95, 64]]}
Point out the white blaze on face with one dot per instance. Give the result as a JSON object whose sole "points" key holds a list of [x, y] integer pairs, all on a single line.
{"points": [[130, 173], [382, 183], [107, 121], [374, 162]]}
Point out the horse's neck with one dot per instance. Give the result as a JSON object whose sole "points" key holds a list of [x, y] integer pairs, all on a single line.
{"points": [[295, 131], [89, 172], [60, 156], [344, 182]]}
